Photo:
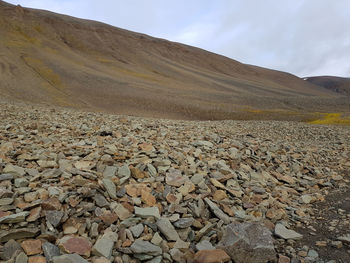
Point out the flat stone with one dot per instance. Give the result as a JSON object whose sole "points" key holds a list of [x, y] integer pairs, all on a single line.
{"points": [[5, 177], [15, 170], [21, 258], [183, 222], [145, 247], [204, 245], [282, 232], [175, 178], [122, 212], [100, 200], [20, 233], [167, 229], [54, 217], [109, 171], [217, 211], [137, 230], [32, 246], [155, 260], [10, 249], [156, 239], [248, 243], [36, 259], [147, 212], [103, 247], [124, 171], [50, 251], [72, 258], [14, 218], [110, 187], [211, 256], [345, 238], [73, 244]]}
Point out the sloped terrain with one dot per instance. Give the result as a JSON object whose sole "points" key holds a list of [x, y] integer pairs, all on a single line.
{"points": [[61, 60], [335, 84]]}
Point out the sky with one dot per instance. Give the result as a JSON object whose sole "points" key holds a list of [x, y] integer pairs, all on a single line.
{"points": [[303, 37]]}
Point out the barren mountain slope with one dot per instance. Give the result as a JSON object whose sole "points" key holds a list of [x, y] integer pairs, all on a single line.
{"points": [[61, 60], [336, 84]]}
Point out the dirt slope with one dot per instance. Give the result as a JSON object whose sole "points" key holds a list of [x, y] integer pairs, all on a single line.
{"points": [[61, 60], [335, 84]]}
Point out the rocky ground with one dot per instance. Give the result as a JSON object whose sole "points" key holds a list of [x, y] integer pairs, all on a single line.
{"points": [[89, 187]]}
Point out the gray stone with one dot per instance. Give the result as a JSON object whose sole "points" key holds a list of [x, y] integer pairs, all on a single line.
{"points": [[203, 144], [124, 171], [282, 232], [110, 187], [155, 260], [167, 229], [184, 222], [217, 211], [152, 170], [20, 233], [15, 218], [103, 247], [69, 258], [4, 177], [100, 200], [54, 217], [122, 212], [10, 249], [50, 251], [248, 243], [137, 230], [205, 245], [140, 246], [147, 212], [345, 238], [6, 201], [109, 171], [21, 258], [15, 170]]}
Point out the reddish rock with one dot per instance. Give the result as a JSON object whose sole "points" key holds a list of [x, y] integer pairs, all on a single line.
{"points": [[211, 256], [283, 259], [32, 246], [3, 213], [148, 198], [73, 244], [51, 204], [109, 218], [34, 214], [137, 173], [37, 259]]}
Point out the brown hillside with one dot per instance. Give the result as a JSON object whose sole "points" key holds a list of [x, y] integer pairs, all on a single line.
{"points": [[335, 84], [61, 60]]}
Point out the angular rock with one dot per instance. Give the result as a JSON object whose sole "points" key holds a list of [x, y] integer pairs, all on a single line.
{"points": [[103, 247], [167, 229], [20, 233], [15, 218], [145, 247], [248, 243], [184, 222], [211, 256], [50, 251], [73, 244], [147, 212], [122, 212], [54, 217], [217, 211], [10, 249], [21, 258], [282, 232], [72, 258], [32, 246], [110, 187]]}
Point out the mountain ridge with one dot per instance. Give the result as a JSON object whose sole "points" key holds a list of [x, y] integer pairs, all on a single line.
{"points": [[66, 61]]}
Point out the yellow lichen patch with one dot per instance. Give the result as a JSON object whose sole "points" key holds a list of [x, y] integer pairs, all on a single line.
{"points": [[332, 118]]}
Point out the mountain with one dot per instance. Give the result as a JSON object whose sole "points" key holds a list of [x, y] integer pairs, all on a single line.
{"points": [[61, 60], [335, 84]]}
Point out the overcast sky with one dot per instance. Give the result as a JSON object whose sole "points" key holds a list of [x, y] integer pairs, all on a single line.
{"points": [[303, 37]]}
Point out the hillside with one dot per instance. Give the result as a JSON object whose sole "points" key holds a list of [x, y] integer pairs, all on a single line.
{"points": [[60, 60], [335, 84]]}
